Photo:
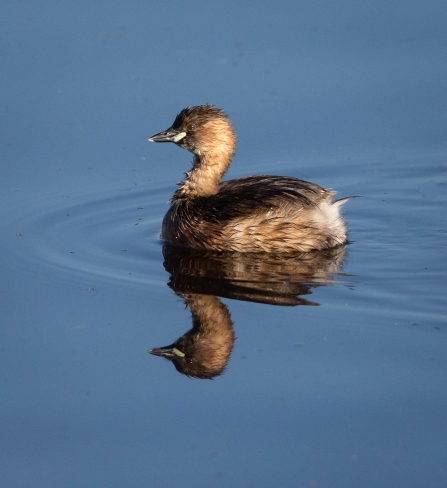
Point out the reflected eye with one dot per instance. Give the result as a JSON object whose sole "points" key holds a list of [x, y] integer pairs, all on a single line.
{"points": [[190, 127]]}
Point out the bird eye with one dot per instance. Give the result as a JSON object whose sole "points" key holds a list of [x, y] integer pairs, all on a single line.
{"points": [[190, 127]]}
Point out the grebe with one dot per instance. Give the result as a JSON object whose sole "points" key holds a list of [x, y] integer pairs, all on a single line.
{"points": [[251, 214]]}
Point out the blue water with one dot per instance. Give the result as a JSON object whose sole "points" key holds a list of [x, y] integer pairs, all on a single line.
{"points": [[337, 373]]}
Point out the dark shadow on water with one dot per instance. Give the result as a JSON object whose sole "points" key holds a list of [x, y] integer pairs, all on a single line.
{"points": [[198, 277]]}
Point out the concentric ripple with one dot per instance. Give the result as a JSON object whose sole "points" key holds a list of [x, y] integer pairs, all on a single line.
{"points": [[110, 237]]}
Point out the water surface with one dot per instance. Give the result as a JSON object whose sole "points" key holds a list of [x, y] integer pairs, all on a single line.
{"points": [[336, 376]]}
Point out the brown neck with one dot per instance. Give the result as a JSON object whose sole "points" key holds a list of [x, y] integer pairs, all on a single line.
{"points": [[204, 178], [212, 157], [213, 329]]}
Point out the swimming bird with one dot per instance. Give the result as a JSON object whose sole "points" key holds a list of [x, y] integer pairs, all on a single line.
{"points": [[251, 214]]}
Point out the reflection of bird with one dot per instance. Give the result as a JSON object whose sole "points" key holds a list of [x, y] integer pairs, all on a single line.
{"points": [[204, 350], [283, 279], [251, 214], [197, 275]]}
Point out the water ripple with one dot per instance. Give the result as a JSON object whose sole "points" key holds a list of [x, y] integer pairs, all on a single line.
{"points": [[112, 236]]}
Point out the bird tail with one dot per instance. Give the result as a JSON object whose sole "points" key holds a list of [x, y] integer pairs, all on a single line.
{"points": [[341, 201]]}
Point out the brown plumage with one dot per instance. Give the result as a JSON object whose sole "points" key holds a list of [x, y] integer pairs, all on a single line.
{"points": [[251, 214], [204, 350]]}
